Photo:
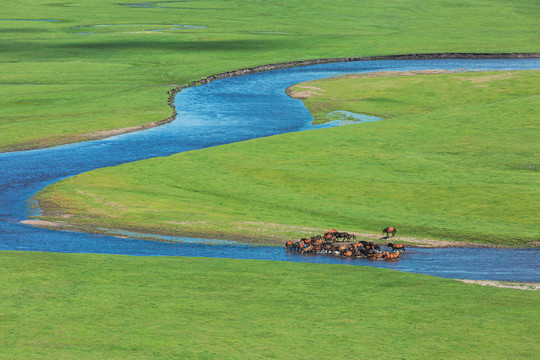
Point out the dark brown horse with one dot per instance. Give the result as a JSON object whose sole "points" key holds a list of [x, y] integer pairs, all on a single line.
{"points": [[344, 235], [288, 245], [389, 230], [360, 251]]}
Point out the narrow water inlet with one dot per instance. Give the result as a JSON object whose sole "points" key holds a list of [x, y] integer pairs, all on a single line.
{"points": [[349, 118]]}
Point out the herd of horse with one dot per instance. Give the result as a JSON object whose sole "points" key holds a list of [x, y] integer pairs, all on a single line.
{"points": [[331, 243]]}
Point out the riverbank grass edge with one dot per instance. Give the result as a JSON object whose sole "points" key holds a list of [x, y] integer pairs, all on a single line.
{"points": [[73, 71], [105, 306], [450, 160]]}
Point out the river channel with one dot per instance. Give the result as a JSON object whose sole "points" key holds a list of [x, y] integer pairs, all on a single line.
{"points": [[225, 111]]}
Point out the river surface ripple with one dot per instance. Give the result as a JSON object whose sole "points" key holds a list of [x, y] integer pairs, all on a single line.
{"points": [[221, 112]]}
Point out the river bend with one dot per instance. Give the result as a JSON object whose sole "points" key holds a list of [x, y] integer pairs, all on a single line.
{"points": [[225, 111]]}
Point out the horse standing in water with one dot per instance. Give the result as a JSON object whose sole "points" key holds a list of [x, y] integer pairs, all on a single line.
{"points": [[389, 230]]}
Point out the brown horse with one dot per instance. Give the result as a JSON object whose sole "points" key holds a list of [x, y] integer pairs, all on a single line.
{"points": [[389, 230], [331, 231], [399, 247], [390, 256], [374, 256], [327, 247], [329, 237], [288, 245], [317, 242]]}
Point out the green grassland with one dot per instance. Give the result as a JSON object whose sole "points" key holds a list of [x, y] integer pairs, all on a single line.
{"points": [[66, 306], [58, 86], [455, 158]]}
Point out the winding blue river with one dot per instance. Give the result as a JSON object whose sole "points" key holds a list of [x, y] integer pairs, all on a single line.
{"points": [[221, 112]]}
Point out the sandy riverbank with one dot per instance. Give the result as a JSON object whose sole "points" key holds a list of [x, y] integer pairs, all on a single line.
{"points": [[258, 240], [505, 284]]}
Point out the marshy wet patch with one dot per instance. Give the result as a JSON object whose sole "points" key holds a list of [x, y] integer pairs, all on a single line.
{"points": [[132, 28], [268, 32], [154, 4], [348, 118], [527, 167], [46, 20], [167, 5]]}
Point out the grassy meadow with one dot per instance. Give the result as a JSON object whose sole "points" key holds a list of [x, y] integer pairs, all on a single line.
{"points": [[454, 158], [66, 306], [65, 80]]}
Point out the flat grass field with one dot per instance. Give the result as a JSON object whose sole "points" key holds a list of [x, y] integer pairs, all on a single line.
{"points": [[77, 306], [64, 80], [455, 158]]}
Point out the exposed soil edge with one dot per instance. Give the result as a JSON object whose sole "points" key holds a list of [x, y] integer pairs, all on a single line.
{"points": [[260, 240], [505, 284], [172, 93], [310, 90]]}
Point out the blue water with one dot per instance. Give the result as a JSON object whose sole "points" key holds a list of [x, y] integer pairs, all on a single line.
{"points": [[342, 117], [222, 112]]}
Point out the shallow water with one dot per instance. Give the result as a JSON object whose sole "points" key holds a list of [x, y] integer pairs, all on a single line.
{"points": [[221, 112], [343, 117]]}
